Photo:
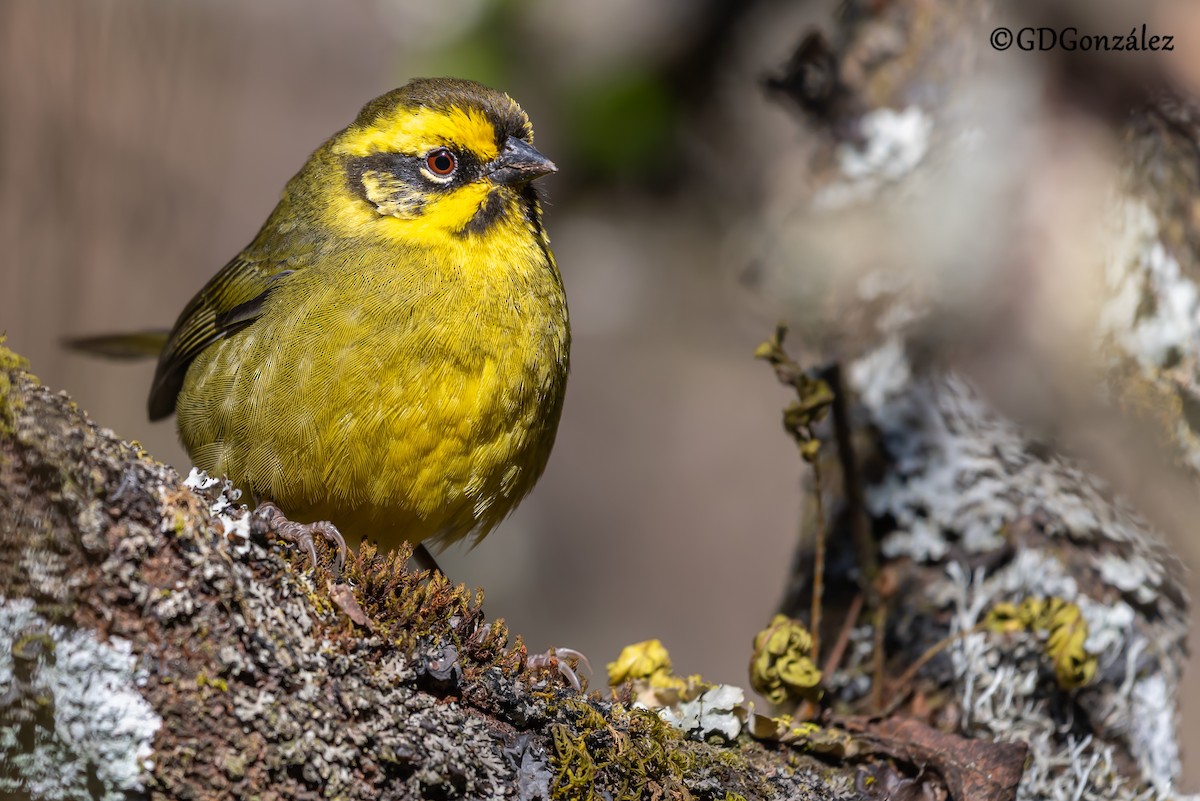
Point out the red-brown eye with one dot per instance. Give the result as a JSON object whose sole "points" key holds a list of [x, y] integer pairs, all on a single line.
{"points": [[441, 162]]}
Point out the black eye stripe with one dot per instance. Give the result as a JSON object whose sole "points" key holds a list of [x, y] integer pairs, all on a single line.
{"points": [[468, 168], [412, 170]]}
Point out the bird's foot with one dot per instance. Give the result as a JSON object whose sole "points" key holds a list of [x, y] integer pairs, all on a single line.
{"points": [[301, 534], [565, 660]]}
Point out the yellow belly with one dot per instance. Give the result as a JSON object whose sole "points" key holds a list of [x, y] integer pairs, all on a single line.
{"points": [[397, 408]]}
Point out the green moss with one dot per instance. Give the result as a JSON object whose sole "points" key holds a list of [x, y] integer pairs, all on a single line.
{"points": [[10, 360], [407, 608], [631, 754], [10, 402], [596, 749], [575, 770]]}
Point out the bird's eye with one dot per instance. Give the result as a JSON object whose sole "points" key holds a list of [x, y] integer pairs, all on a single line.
{"points": [[441, 162]]}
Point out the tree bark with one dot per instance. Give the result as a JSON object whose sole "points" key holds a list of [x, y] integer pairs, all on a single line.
{"points": [[155, 642]]}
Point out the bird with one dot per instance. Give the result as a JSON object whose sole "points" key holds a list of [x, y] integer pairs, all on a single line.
{"points": [[388, 357]]}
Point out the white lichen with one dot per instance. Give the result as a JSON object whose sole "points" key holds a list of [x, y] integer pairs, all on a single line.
{"points": [[198, 479], [1153, 309], [894, 143], [718, 711], [102, 726], [959, 477], [959, 473], [1133, 575], [999, 687], [233, 516], [882, 373], [1152, 724]]}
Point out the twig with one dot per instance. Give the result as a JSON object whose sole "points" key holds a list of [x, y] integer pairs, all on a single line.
{"points": [[903, 684], [814, 399], [877, 656], [818, 580], [839, 646]]}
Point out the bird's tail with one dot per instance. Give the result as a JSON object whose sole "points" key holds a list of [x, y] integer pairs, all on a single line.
{"points": [[133, 345]]}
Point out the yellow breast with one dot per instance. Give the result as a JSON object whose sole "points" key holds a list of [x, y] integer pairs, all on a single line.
{"points": [[401, 393]]}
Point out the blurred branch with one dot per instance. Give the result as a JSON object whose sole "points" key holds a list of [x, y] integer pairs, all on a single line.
{"points": [[948, 226]]}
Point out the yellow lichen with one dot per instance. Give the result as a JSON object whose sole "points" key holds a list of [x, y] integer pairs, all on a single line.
{"points": [[1004, 618], [217, 683], [1065, 630], [642, 660], [814, 395], [781, 667]]}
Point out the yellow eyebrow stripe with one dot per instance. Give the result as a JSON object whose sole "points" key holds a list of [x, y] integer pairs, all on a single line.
{"points": [[418, 130]]}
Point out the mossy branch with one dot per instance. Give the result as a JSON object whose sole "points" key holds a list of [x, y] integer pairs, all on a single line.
{"points": [[230, 669]]}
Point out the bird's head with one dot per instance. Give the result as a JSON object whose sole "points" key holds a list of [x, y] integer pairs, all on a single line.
{"points": [[439, 156]]}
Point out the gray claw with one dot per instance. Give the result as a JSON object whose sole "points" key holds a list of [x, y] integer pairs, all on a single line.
{"points": [[301, 534], [551, 658]]}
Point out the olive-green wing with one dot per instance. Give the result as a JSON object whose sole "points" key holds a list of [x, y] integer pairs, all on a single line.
{"points": [[228, 303], [129, 345]]}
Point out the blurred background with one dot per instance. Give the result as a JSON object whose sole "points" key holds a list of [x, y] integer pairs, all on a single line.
{"points": [[142, 143]]}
